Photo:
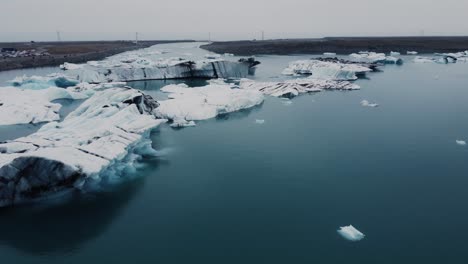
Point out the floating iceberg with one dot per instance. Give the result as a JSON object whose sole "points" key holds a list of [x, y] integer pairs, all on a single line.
{"points": [[292, 88], [372, 57], [191, 104], [394, 53], [18, 106], [329, 54], [368, 104], [441, 60], [412, 52], [40, 82], [350, 233], [461, 142], [95, 145], [260, 121], [24, 106], [327, 69]]}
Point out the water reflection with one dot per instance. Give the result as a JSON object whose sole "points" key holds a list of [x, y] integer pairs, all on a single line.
{"points": [[63, 228]]}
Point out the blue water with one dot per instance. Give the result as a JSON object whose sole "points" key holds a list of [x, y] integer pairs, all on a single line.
{"points": [[233, 191]]}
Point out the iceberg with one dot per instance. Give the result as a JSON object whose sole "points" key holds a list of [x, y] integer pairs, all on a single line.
{"points": [[24, 106], [95, 145], [461, 142], [40, 82], [368, 104], [192, 104], [292, 88], [327, 69], [412, 53], [259, 121], [372, 57], [394, 53], [350, 233], [329, 54]]}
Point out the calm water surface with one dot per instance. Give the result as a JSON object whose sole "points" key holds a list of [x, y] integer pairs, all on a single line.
{"points": [[233, 191]]}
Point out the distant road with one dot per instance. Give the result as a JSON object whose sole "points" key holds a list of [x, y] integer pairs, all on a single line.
{"points": [[340, 45], [74, 52]]}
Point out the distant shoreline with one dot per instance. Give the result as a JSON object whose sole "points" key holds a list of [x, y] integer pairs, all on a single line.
{"points": [[73, 52], [340, 45]]}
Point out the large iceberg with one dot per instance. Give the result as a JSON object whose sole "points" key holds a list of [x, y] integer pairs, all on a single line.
{"points": [[95, 145], [192, 104], [25, 106], [327, 69], [292, 88]]}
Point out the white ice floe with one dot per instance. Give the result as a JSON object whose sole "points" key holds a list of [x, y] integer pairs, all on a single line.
{"points": [[292, 88], [191, 104], [350, 233], [461, 142], [329, 54], [43, 82], [326, 69], [373, 57], [25, 106], [412, 53], [71, 66], [394, 53], [259, 121], [180, 123], [441, 60], [96, 144], [368, 104]]}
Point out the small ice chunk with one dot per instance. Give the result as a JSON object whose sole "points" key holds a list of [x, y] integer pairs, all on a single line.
{"points": [[368, 104], [329, 54], [259, 121], [461, 142], [394, 53], [350, 233], [412, 53], [180, 123]]}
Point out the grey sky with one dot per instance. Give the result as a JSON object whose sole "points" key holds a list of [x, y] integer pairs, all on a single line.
{"points": [[234, 19]]}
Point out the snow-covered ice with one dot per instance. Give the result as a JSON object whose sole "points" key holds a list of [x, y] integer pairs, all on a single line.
{"points": [[329, 54], [292, 88], [368, 104], [95, 144], [394, 53], [350, 233], [461, 142], [412, 52], [372, 57], [192, 104], [323, 69], [43, 82]]}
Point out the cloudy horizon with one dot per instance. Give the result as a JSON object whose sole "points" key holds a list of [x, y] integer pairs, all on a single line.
{"points": [[120, 19]]}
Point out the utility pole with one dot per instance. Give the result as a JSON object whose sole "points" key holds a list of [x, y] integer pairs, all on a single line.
{"points": [[263, 35], [59, 38], [136, 38]]}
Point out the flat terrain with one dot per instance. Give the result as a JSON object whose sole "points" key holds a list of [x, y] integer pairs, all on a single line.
{"points": [[341, 45], [75, 52]]}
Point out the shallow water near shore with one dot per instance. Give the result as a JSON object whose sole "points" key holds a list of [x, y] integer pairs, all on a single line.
{"points": [[231, 190]]}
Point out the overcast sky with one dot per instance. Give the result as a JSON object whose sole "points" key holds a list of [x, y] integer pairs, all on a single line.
{"points": [[22, 20]]}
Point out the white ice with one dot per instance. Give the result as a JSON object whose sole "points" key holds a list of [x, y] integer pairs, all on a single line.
{"points": [[350, 233], [259, 121], [368, 104], [92, 145], [292, 88], [206, 102], [325, 69], [461, 142]]}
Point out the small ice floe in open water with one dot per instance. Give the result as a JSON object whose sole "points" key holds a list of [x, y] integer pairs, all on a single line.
{"points": [[412, 53], [460, 142], [350, 233], [260, 121], [286, 101], [368, 104]]}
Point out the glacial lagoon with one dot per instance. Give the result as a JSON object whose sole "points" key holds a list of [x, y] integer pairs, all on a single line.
{"points": [[234, 190]]}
